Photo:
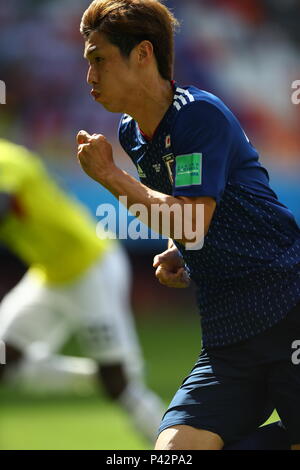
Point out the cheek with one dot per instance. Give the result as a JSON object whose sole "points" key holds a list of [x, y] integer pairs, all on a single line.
{"points": [[124, 74], [118, 85], [111, 78]]}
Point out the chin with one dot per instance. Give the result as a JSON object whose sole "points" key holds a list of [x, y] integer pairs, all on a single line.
{"points": [[112, 108]]}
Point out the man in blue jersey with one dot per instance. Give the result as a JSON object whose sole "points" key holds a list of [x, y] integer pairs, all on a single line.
{"points": [[191, 150]]}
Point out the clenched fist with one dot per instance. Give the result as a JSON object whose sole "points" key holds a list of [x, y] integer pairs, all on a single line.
{"points": [[171, 270], [95, 155]]}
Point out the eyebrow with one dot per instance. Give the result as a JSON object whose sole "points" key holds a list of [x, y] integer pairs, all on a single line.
{"points": [[89, 51]]}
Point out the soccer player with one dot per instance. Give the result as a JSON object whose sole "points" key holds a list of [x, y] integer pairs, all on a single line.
{"points": [[76, 284], [191, 150]]}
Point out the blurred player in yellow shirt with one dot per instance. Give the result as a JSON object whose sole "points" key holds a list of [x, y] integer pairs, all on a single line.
{"points": [[76, 283]]}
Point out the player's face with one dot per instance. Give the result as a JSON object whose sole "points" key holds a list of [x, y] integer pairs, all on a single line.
{"points": [[112, 76]]}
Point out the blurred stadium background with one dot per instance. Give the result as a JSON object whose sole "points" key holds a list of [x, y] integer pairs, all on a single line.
{"points": [[247, 53]]}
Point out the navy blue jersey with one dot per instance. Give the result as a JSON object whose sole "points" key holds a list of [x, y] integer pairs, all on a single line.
{"points": [[248, 271]]}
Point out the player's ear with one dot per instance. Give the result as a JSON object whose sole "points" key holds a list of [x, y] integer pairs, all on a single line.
{"points": [[145, 51]]}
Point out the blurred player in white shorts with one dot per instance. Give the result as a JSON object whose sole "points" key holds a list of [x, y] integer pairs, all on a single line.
{"points": [[77, 285]]}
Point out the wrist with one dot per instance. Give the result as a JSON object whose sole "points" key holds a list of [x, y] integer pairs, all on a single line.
{"points": [[173, 248], [111, 176], [171, 244]]}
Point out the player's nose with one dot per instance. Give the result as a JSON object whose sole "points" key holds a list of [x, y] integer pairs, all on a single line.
{"points": [[92, 78]]}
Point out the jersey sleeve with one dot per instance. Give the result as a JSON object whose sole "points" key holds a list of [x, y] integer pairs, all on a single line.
{"points": [[202, 141]]}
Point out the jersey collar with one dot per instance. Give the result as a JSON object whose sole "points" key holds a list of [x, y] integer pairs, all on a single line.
{"points": [[147, 138]]}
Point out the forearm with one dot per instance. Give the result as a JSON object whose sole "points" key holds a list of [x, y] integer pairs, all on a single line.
{"points": [[158, 206], [120, 183], [184, 219]]}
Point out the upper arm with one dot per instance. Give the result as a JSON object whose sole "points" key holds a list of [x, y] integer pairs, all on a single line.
{"points": [[202, 141]]}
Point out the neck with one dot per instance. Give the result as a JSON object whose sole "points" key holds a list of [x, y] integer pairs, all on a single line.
{"points": [[152, 103]]}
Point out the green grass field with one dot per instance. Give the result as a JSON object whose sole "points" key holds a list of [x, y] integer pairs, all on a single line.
{"points": [[170, 344]]}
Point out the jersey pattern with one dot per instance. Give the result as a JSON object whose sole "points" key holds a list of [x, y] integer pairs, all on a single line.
{"points": [[248, 272]]}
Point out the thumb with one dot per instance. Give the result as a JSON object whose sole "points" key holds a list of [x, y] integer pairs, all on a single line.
{"points": [[83, 137], [156, 261], [159, 259]]}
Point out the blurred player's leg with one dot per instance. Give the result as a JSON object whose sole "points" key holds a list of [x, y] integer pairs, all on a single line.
{"points": [[109, 336], [33, 329], [38, 320], [53, 373], [143, 405]]}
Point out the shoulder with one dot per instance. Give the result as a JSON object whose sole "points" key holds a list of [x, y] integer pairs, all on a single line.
{"points": [[201, 119], [194, 105]]}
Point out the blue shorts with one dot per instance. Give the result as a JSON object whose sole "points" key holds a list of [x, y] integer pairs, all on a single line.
{"points": [[233, 390]]}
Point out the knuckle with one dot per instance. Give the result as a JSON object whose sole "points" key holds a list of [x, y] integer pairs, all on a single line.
{"points": [[97, 138]]}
